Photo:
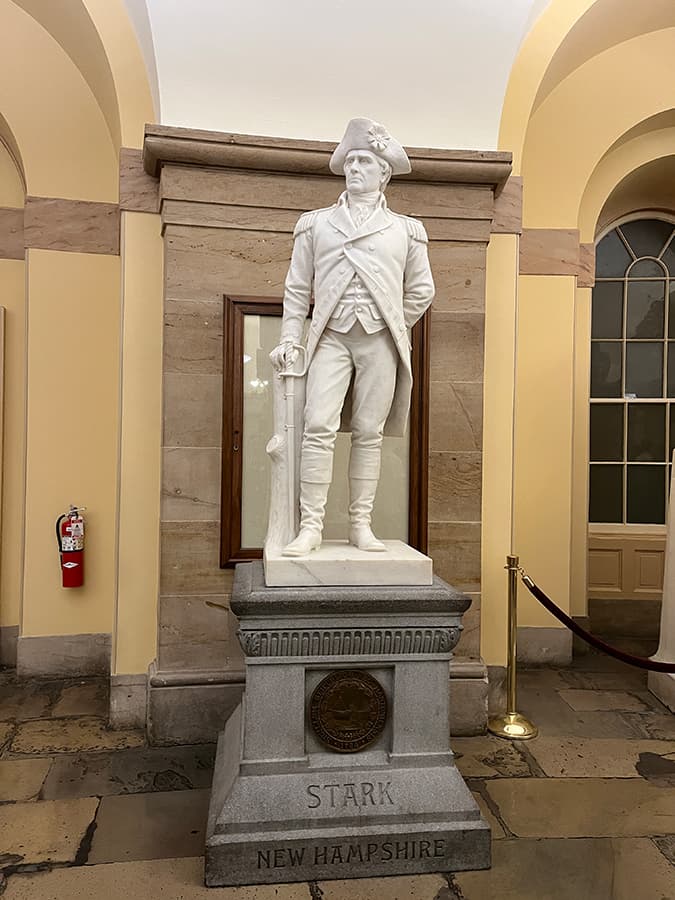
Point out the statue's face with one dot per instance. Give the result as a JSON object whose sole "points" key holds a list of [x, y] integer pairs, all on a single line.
{"points": [[363, 173]]}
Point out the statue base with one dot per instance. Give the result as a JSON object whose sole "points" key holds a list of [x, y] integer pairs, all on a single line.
{"points": [[288, 805], [340, 563]]}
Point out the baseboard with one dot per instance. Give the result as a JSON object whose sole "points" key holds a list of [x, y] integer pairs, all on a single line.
{"points": [[128, 701], [9, 635], [496, 690], [63, 655], [544, 646], [468, 696]]}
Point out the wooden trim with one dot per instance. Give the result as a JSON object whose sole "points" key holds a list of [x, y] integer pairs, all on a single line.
{"points": [[139, 192], [549, 251], [11, 233], [76, 226], [167, 144], [418, 468], [508, 210], [235, 308]]}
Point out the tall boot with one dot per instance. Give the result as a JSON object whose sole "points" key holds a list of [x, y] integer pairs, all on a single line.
{"points": [[361, 499], [312, 507]]}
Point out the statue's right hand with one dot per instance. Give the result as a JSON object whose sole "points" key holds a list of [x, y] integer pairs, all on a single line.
{"points": [[283, 356]]}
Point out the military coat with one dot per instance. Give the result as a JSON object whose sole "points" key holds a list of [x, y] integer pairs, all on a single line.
{"points": [[389, 253]]}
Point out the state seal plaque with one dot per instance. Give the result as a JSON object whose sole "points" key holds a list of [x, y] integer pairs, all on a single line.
{"points": [[348, 710]]}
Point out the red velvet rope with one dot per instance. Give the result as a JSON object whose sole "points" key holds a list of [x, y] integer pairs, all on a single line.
{"points": [[640, 661]]}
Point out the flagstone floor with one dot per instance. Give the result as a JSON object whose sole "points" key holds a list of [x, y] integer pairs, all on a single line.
{"points": [[586, 811]]}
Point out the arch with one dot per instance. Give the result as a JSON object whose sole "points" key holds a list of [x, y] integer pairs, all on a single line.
{"points": [[570, 132], [11, 148], [99, 38], [568, 34], [58, 130]]}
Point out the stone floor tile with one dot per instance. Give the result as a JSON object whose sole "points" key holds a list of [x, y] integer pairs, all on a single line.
{"points": [[495, 826], [130, 771], [49, 831], [666, 845], [21, 779], [596, 757], [415, 887], [547, 710], [85, 698], [610, 869], [150, 826], [629, 679], [487, 757], [6, 730], [657, 726], [72, 736], [21, 700], [583, 807], [613, 701], [159, 879]]}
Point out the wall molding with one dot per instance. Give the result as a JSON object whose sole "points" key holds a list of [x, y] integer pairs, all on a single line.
{"points": [[189, 146], [139, 192], [76, 226], [557, 251], [63, 655], [508, 210]]}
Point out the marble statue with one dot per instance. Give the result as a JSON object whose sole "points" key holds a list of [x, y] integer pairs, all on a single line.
{"points": [[367, 269]]}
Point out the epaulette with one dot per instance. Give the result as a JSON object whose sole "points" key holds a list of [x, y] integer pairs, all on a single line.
{"points": [[416, 230], [306, 221]]}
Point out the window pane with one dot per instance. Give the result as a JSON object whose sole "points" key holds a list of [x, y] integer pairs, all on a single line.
{"points": [[671, 443], [607, 316], [647, 432], [606, 494], [671, 310], [644, 309], [606, 432], [646, 268], [605, 369], [646, 502], [611, 257], [646, 237], [644, 369], [669, 258], [671, 369]]}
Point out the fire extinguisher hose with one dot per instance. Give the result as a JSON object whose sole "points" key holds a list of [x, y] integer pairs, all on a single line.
{"points": [[58, 532]]}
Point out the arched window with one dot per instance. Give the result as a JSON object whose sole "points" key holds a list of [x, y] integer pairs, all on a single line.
{"points": [[632, 416]]}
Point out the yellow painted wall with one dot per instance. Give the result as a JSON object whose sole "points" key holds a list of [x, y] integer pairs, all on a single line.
{"points": [[135, 630], [72, 441], [12, 297], [61, 132], [559, 160], [544, 434], [11, 186], [500, 337]]}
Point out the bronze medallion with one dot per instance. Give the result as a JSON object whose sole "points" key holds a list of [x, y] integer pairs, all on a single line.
{"points": [[348, 710]]}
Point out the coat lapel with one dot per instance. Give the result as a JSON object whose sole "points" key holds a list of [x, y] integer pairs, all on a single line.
{"points": [[378, 221], [340, 219]]}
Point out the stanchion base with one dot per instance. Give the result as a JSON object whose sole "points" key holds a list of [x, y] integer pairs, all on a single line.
{"points": [[513, 726]]}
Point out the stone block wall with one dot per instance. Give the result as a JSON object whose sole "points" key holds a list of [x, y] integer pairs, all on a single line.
{"points": [[229, 205]]}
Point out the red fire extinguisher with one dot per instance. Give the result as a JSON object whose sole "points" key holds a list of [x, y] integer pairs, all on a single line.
{"points": [[70, 537]]}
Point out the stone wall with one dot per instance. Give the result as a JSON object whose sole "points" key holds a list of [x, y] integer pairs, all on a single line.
{"points": [[229, 204]]}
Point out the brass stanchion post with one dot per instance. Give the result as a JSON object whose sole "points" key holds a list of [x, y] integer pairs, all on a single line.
{"points": [[512, 725]]}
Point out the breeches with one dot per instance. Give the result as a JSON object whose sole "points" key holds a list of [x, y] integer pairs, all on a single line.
{"points": [[368, 362]]}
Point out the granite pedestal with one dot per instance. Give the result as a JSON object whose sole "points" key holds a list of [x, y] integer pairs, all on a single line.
{"points": [[286, 808]]}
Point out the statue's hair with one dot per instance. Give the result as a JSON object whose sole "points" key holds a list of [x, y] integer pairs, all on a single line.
{"points": [[386, 172]]}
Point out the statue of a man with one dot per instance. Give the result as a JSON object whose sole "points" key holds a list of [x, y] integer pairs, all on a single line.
{"points": [[368, 270]]}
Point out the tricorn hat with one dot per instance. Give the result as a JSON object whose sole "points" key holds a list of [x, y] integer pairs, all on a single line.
{"points": [[364, 134]]}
